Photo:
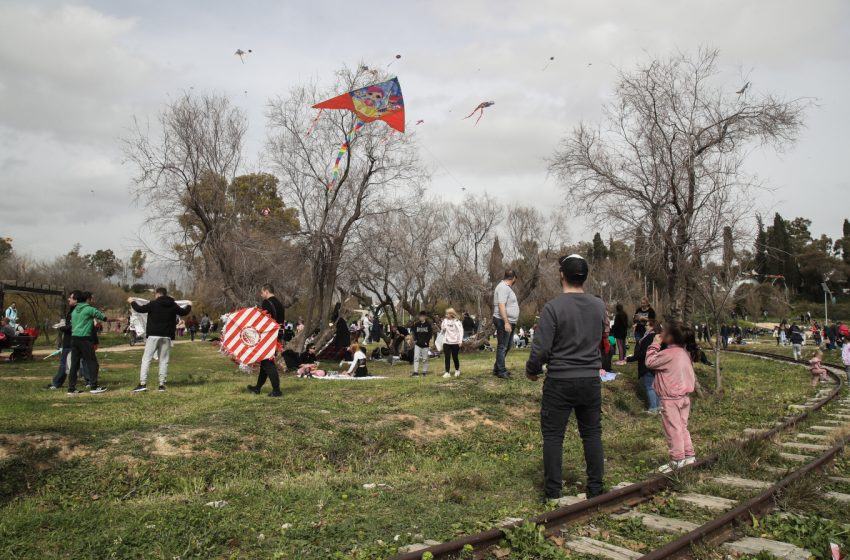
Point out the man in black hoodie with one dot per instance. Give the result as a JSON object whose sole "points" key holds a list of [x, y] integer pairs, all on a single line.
{"points": [[160, 330], [268, 368]]}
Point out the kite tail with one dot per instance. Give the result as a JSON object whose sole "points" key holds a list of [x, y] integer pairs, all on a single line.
{"points": [[472, 113], [342, 151], [313, 123]]}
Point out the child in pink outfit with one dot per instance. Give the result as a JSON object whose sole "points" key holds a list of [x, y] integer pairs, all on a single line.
{"points": [[817, 369], [674, 381]]}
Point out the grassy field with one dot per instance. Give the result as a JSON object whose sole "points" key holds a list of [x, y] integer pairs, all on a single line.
{"points": [[128, 476]]}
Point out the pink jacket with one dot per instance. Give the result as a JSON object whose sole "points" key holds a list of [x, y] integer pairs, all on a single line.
{"points": [[674, 371], [816, 366]]}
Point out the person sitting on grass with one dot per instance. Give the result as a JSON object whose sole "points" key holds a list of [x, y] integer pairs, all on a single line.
{"points": [[309, 363], [674, 381], [357, 367], [816, 367]]}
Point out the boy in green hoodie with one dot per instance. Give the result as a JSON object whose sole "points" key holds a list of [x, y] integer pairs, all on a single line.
{"points": [[82, 349]]}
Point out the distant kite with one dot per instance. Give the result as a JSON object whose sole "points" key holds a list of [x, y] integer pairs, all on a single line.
{"points": [[551, 58], [480, 109], [743, 89], [420, 121], [391, 62], [241, 54]]}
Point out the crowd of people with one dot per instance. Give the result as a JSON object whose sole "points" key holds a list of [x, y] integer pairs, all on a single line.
{"points": [[569, 345]]}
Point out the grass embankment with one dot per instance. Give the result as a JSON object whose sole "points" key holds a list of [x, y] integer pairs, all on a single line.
{"points": [[128, 476]]}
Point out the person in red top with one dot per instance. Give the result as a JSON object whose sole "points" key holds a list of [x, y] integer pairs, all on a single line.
{"points": [[674, 381]]}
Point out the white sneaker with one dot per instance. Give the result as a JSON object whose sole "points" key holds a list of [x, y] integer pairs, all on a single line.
{"points": [[97, 390], [671, 466], [457, 373], [447, 374], [688, 461]]}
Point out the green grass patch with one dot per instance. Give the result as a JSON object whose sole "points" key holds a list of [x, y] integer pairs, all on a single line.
{"points": [[127, 476]]}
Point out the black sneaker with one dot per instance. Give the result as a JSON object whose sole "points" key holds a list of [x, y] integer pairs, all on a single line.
{"points": [[73, 392], [139, 388], [414, 374], [97, 390], [275, 394], [506, 375], [161, 389], [253, 389]]}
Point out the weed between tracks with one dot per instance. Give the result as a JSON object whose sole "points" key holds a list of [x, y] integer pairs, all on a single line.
{"points": [[127, 476]]}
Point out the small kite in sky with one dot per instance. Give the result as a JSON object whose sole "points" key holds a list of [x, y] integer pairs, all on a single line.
{"points": [[551, 59], [241, 54], [379, 102], [743, 89], [420, 121], [480, 110], [391, 62]]}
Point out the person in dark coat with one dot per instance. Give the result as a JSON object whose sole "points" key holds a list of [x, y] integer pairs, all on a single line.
{"points": [[268, 368], [620, 330], [646, 375], [64, 361], [159, 334]]}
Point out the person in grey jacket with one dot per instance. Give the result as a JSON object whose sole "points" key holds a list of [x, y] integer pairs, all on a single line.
{"points": [[567, 342]]}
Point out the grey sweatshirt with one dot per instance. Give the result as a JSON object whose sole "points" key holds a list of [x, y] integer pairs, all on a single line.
{"points": [[570, 329]]}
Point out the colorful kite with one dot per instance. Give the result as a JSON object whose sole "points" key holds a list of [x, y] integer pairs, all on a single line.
{"points": [[480, 109], [378, 102], [250, 336]]}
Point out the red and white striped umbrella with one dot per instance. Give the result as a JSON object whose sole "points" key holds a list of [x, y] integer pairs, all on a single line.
{"points": [[250, 335]]}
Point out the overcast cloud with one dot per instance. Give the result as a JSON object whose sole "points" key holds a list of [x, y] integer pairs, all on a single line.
{"points": [[73, 75]]}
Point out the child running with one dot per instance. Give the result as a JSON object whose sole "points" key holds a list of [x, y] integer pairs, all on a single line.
{"points": [[816, 367], [674, 381]]}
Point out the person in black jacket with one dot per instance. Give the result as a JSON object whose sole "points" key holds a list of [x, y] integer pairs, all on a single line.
{"points": [[422, 332], [268, 368], [646, 375], [159, 332], [620, 330]]}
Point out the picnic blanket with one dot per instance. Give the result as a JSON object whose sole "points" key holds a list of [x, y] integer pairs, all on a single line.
{"points": [[337, 377]]}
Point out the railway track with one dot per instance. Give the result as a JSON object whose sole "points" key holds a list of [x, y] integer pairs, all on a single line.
{"points": [[699, 494]]}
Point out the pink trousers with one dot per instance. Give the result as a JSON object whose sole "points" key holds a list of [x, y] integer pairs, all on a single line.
{"points": [[674, 419]]}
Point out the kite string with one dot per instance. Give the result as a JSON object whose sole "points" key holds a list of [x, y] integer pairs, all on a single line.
{"points": [[342, 151]]}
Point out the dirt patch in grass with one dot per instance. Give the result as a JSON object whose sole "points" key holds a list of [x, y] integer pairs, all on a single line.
{"points": [[437, 427], [67, 448], [23, 378]]}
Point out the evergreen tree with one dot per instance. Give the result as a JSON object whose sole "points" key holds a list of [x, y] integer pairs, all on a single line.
{"points": [[760, 250], [845, 241], [496, 264], [600, 251]]}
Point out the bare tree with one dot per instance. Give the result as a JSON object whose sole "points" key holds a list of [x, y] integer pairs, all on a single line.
{"points": [[182, 169], [669, 161], [379, 172]]}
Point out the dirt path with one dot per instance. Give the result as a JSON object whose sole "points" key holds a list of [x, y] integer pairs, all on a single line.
{"points": [[41, 352]]}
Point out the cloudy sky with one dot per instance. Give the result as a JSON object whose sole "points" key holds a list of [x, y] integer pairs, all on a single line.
{"points": [[73, 75]]}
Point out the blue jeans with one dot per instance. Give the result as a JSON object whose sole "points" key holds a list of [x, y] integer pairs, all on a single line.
{"points": [[651, 398], [62, 372], [503, 345]]}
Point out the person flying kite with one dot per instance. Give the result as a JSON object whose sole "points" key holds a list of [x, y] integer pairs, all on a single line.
{"points": [[378, 102], [480, 109]]}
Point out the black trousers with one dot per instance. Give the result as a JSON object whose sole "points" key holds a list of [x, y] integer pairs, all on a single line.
{"points": [[268, 370], [560, 398], [82, 350], [451, 352]]}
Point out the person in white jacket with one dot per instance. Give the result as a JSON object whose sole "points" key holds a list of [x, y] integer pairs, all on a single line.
{"points": [[452, 330]]}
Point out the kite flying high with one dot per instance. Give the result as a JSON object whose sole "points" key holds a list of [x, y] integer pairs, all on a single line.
{"points": [[480, 109], [378, 102]]}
